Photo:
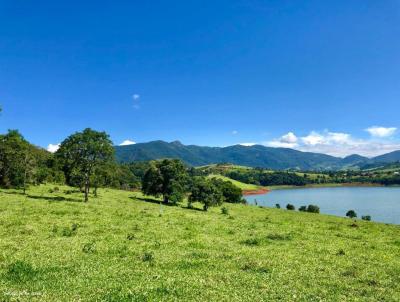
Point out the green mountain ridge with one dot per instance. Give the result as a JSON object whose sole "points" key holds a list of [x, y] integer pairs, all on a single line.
{"points": [[252, 156]]}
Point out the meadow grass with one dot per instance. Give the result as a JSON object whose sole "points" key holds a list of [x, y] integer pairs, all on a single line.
{"points": [[241, 185], [122, 246]]}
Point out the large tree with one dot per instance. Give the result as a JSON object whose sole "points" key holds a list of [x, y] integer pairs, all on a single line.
{"points": [[17, 160], [166, 178], [231, 193], [206, 192], [82, 153]]}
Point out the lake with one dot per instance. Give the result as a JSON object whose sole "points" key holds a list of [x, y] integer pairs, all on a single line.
{"points": [[381, 203]]}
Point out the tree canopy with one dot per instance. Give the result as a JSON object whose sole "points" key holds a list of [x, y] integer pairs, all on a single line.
{"points": [[206, 192], [17, 161], [351, 214], [166, 178], [82, 153], [230, 192]]}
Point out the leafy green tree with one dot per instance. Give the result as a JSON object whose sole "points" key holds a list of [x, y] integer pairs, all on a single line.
{"points": [[313, 209], [366, 217], [82, 153], [49, 168], [303, 209], [290, 207], [17, 161], [351, 214], [231, 193], [206, 192], [166, 178]]}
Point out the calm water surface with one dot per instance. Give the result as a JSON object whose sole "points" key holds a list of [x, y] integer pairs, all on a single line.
{"points": [[382, 203]]}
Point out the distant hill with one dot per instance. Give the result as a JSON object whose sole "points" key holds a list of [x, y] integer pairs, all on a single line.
{"points": [[354, 160], [388, 158], [252, 156]]}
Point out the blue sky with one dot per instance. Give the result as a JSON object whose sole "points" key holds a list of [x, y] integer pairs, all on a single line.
{"points": [[317, 75]]}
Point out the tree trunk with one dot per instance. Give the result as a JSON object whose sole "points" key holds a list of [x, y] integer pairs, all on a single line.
{"points": [[86, 194], [165, 199], [25, 171], [87, 189]]}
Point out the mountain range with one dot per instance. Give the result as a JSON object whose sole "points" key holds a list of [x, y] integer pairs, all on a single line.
{"points": [[252, 156]]}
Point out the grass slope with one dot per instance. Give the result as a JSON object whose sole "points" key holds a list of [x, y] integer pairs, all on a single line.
{"points": [[241, 185], [118, 247]]}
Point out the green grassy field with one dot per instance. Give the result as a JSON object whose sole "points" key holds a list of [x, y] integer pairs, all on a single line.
{"points": [[239, 184], [123, 247]]}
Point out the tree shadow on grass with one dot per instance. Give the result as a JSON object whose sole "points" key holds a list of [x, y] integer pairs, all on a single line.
{"points": [[12, 192], [156, 201], [54, 198], [192, 208], [152, 200]]}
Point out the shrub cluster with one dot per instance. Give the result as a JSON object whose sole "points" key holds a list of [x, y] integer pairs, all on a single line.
{"points": [[310, 208]]}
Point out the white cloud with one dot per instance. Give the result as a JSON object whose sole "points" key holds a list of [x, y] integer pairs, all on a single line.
{"points": [[326, 138], [279, 144], [313, 139], [127, 143], [247, 144], [288, 140], [234, 132], [381, 131], [136, 96], [334, 143], [53, 148]]}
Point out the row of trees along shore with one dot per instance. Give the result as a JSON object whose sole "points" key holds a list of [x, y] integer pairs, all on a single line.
{"points": [[86, 160]]}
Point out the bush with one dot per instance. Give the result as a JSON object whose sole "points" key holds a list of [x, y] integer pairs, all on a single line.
{"points": [[303, 209], [313, 209], [278, 206], [290, 207], [351, 214], [366, 217], [224, 211], [148, 257]]}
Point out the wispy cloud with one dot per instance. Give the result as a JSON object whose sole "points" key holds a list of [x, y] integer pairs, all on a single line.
{"points": [[247, 144], [136, 103], [338, 143], [53, 148], [234, 132], [381, 131], [127, 142]]}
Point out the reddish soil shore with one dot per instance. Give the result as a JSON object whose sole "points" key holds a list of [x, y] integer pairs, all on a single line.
{"points": [[255, 192]]}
